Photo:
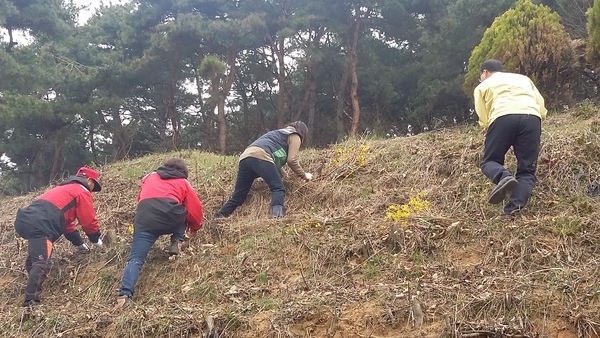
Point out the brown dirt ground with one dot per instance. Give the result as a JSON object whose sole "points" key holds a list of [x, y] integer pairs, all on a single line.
{"points": [[336, 266]]}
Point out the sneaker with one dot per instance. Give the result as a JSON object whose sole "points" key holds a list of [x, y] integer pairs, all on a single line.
{"points": [[175, 248], [503, 187], [122, 302], [277, 211], [31, 303]]}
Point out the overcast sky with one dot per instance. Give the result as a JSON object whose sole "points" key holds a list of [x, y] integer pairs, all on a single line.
{"points": [[90, 7]]}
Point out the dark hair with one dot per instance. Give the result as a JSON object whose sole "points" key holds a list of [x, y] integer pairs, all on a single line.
{"points": [[491, 65], [177, 164], [301, 128]]}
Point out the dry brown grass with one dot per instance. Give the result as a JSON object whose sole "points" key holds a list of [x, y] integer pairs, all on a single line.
{"points": [[335, 266]]}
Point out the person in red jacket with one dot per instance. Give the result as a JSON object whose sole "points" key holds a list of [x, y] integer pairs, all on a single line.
{"points": [[167, 204], [51, 215]]}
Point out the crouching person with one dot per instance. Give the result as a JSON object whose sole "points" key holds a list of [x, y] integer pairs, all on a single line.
{"points": [[167, 205], [51, 215]]}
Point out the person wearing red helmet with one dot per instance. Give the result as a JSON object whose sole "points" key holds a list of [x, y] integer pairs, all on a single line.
{"points": [[51, 215], [167, 205]]}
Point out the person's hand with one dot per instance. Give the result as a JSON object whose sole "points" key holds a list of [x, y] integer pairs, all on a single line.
{"points": [[308, 177], [192, 233], [98, 244], [83, 248]]}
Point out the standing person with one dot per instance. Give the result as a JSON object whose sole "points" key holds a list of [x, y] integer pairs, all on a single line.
{"points": [[264, 158], [51, 215], [510, 109], [167, 204]]}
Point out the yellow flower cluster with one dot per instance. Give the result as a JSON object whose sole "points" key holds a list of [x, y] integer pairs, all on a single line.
{"points": [[355, 155], [351, 157], [401, 213]]}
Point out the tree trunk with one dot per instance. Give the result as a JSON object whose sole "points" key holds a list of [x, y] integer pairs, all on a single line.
{"points": [[171, 104], [173, 116], [279, 48], [121, 142], [354, 86], [222, 127], [311, 88], [91, 139], [339, 112], [58, 147], [223, 96]]}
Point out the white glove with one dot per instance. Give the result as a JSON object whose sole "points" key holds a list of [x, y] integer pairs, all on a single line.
{"points": [[99, 243], [308, 177], [83, 248]]}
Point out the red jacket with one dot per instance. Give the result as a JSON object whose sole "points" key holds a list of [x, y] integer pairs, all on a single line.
{"points": [[55, 211], [165, 200]]}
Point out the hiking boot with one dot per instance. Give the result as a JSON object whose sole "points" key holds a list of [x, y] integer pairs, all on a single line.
{"points": [[175, 247], [31, 303], [122, 302], [277, 211], [503, 187]]}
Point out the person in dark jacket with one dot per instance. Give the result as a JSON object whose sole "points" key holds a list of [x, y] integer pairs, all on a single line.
{"points": [[167, 204], [51, 215], [264, 158]]}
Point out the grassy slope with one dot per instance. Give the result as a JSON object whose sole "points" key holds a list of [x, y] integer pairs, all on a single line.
{"points": [[336, 267]]}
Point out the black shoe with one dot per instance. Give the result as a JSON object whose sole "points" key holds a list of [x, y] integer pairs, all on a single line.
{"points": [[503, 187], [175, 248], [31, 303], [277, 211]]}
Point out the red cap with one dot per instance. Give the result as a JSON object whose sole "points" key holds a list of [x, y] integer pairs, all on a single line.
{"points": [[92, 174]]}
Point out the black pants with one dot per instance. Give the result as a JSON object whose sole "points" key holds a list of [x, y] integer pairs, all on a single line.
{"points": [[38, 262], [523, 133], [249, 169]]}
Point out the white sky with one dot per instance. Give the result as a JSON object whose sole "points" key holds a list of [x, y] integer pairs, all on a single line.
{"points": [[90, 7]]}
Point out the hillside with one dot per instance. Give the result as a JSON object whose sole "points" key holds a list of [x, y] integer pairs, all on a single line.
{"points": [[336, 266]]}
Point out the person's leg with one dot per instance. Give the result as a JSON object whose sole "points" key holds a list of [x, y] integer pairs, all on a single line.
{"points": [[246, 175], [268, 171], [177, 238], [499, 137], [527, 149], [39, 261], [142, 243]]}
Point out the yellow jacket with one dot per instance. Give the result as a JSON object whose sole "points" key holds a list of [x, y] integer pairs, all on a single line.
{"points": [[507, 93]]}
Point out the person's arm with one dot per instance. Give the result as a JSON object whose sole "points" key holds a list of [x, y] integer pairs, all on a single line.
{"points": [[540, 101], [481, 107], [86, 215], [294, 143], [195, 210]]}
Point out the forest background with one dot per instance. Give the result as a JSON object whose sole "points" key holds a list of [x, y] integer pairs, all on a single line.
{"points": [[151, 76]]}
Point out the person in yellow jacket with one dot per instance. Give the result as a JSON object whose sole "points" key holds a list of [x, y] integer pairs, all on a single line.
{"points": [[510, 109]]}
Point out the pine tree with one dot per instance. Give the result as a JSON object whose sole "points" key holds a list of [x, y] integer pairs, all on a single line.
{"points": [[529, 39]]}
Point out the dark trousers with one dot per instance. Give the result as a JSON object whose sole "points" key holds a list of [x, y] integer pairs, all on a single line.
{"points": [[38, 262], [140, 247], [523, 133], [249, 169]]}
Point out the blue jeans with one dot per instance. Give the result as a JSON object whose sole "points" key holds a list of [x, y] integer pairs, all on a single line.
{"points": [[140, 247], [249, 169]]}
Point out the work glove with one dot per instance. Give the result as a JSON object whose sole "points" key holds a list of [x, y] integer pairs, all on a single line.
{"points": [[99, 243], [308, 177], [83, 248]]}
